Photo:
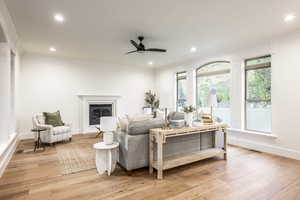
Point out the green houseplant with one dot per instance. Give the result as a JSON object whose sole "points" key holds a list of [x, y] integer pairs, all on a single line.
{"points": [[151, 101], [188, 116]]}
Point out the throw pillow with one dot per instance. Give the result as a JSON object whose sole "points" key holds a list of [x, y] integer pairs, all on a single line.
{"points": [[53, 119]]}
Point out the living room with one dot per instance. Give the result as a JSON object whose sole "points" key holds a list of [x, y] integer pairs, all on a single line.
{"points": [[231, 63]]}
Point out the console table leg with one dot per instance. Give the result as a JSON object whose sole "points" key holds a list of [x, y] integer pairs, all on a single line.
{"points": [[150, 153], [159, 157], [225, 143], [213, 139]]}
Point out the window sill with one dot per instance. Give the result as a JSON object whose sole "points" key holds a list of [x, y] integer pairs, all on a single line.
{"points": [[253, 133]]}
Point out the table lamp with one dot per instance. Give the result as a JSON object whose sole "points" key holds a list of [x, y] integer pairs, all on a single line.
{"points": [[212, 100], [108, 126]]}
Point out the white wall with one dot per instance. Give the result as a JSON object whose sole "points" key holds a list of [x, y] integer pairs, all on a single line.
{"points": [[285, 51], [8, 87], [4, 92], [53, 83], [8, 79]]}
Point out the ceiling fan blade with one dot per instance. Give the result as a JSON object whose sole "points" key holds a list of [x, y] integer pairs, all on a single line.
{"points": [[135, 44], [131, 52], [156, 50]]}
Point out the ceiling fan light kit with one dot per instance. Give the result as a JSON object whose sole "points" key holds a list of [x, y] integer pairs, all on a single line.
{"points": [[140, 48]]}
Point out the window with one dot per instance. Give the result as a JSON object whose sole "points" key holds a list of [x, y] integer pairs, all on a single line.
{"points": [[181, 98], [258, 94], [214, 76]]}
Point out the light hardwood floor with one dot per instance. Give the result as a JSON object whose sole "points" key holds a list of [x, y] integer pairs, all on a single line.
{"points": [[245, 175]]}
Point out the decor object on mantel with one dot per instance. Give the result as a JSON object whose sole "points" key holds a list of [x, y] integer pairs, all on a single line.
{"points": [[189, 114], [147, 111], [108, 126], [151, 101]]}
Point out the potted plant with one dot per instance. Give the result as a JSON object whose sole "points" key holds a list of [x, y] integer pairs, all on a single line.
{"points": [[188, 114], [151, 101]]}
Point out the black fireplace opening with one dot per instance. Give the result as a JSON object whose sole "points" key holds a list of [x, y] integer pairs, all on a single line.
{"points": [[99, 110]]}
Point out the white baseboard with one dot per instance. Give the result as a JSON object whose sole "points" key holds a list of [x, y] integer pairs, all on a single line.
{"points": [[26, 136], [289, 153], [7, 152]]}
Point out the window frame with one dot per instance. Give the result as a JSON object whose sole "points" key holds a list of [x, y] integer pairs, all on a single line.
{"points": [[184, 77], [228, 71], [255, 67]]}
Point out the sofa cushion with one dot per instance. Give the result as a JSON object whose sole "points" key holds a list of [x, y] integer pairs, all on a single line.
{"points": [[61, 130], [143, 127], [53, 119], [140, 117]]}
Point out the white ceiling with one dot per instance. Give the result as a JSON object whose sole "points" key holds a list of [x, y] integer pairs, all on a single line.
{"points": [[101, 29]]}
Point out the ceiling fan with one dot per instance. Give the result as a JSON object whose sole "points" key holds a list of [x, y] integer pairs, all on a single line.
{"points": [[140, 48]]}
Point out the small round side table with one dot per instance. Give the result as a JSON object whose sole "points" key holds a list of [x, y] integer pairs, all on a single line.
{"points": [[38, 142], [106, 157]]}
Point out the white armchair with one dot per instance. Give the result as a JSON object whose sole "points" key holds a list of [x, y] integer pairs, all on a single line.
{"points": [[53, 134]]}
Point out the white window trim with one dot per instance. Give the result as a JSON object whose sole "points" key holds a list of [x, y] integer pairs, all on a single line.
{"points": [[269, 135], [245, 69]]}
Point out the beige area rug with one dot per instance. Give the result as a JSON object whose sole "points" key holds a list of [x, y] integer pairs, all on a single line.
{"points": [[77, 156]]}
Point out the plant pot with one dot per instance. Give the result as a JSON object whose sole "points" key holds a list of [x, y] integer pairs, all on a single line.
{"points": [[188, 117], [147, 111]]}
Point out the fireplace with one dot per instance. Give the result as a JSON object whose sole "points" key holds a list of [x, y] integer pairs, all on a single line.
{"points": [[99, 110], [92, 107]]}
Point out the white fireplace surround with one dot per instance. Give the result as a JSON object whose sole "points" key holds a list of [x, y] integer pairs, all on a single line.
{"points": [[84, 102]]}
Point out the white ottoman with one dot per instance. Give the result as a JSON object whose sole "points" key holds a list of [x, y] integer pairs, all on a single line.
{"points": [[106, 157]]}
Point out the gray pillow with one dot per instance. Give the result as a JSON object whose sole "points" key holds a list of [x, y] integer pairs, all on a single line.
{"points": [[143, 127]]}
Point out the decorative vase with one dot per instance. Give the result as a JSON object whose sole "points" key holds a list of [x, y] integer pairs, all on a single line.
{"points": [[147, 110], [188, 117], [108, 138]]}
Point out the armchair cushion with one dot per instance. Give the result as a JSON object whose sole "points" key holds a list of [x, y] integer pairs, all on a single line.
{"points": [[53, 119], [61, 130]]}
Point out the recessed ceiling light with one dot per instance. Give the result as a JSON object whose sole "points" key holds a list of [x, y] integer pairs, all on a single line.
{"points": [[289, 18], [193, 49], [59, 18], [150, 63], [52, 49]]}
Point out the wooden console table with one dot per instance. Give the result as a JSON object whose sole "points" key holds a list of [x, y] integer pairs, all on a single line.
{"points": [[158, 137]]}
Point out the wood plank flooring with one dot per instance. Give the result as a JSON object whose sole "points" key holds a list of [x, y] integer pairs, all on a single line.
{"points": [[245, 175]]}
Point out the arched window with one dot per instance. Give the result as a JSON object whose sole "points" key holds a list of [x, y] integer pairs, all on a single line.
{"points": [[214, 78]]}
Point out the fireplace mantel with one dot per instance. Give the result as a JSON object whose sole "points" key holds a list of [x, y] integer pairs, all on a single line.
{"points": [[85, 99], [86, 95]]}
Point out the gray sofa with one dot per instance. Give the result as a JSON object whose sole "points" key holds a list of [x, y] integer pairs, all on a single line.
{"points": [[134, 151]]}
